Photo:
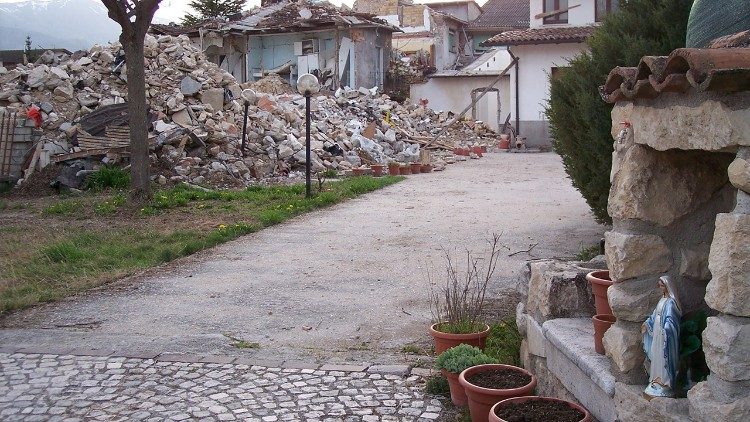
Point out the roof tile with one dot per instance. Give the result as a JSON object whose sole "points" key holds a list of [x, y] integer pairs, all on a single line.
{"points": [[503, 14], [544, 35]]}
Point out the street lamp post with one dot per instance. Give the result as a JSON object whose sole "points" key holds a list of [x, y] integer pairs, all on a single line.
{"points": [[307, 85], [248, 97]]}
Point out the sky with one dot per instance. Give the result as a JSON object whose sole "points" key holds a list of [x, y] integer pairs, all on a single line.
{"points": [[174, 10]]}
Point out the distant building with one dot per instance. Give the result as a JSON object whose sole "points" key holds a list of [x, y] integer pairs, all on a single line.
{"points": [[9, 59], [557, 31], [289, 38]]}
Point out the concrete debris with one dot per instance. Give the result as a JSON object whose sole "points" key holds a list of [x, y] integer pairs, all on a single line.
{"points": [[198, 108]]}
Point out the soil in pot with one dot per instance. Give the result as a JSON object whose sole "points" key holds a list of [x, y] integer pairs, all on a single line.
{"points": [[500, 379], [539, 411]]}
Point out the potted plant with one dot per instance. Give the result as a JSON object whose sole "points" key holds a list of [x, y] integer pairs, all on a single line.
{"points": [[453, 361], [394, 169], [405, 169], [416, 168], [488, 384], [377, 170], [538, 409], [600, 282], [457, 306]]}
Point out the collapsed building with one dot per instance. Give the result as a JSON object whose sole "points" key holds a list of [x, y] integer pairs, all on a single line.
{"points": [[196, 111]]}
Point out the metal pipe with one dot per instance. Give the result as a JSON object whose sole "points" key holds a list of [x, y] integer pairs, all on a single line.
{"points": [[518, 119], [244, 130], [307, 145]]}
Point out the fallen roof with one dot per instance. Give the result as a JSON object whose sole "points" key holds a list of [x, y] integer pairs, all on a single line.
{"points": [[702, 69], [553, 35], [303, 15], [504, 14]]}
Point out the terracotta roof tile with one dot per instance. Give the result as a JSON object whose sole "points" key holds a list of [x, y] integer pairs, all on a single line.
{"points": [[503, 14], [551, 35], [702, 69]]}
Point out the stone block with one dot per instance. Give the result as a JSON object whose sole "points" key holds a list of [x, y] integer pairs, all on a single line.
{"points": [[694, 264], [586, 374], [728, 391], [633, 407], [215, 97], [537, 343], [558, 290], [661, 187], [704, 407], [672, 122], [739, 174], [389, 369], [633, 300], [726, 343], [623, 344], [729, 262], [630, 256]]}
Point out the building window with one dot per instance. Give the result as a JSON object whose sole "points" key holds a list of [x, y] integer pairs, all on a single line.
{"points": [[553, 6], [452, 41], [604, 7]]}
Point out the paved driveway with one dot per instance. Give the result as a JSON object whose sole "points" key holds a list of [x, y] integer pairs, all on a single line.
{"points": [[346, 284]]}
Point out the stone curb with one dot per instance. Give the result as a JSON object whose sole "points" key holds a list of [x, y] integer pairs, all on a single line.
{"points": [[402, 370]]}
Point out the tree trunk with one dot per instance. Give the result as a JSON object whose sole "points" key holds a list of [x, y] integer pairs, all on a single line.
{"points": [[139, 170]]}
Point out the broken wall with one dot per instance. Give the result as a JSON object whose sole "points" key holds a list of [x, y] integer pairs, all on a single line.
{"points": [[372, 53]]}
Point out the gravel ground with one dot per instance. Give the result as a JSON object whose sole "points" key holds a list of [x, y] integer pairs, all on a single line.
{"points": [[346, 284]]}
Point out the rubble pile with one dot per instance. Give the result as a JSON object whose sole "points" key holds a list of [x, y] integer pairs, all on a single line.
{"points": [[197, 112]]}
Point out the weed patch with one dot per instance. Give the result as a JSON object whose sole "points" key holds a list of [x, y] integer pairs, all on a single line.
{"points": [[65, 208], [437, 385], [504, 342], [108, 177]]}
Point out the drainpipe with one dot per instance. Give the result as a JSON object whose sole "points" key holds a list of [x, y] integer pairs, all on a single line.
{"points": [[518, 119]]}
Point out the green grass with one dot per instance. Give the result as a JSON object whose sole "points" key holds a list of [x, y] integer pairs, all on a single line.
{"points": [[65, 207], [77, 259], [238, 343], [587, 253], [504, 342], [437, 385], [411, 349], [108, 177]]}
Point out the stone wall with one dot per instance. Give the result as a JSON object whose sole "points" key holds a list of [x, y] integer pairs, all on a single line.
{"points": [[680, 207]]}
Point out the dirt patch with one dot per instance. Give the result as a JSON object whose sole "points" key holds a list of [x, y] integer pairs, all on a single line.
{"points": [[500, 379], [539, 411], [38, 185]]}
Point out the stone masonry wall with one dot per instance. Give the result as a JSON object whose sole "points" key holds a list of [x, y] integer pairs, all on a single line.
{"points": [[680, 207]]}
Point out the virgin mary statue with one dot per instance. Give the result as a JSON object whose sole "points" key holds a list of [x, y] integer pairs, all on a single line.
{"points": [[661, 342]]}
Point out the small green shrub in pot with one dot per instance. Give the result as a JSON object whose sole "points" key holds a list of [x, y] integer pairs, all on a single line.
{"points": [[456, 359]]}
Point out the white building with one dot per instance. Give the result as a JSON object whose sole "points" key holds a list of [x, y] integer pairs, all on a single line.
{"points": [[556, 33]]}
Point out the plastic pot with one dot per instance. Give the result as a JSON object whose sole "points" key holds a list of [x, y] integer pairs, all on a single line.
{"points": [[477, 151], [482, 399], [444, 341], [600, 282], [405, 170], [377, 170], [416, 168], [601, 325], [458, 395], [394, 170], [494, 418]]}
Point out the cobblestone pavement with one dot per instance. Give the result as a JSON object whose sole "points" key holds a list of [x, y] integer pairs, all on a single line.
{"points": [[45, 387]]}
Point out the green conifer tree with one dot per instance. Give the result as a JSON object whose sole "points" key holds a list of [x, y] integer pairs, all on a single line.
{"points": [[580, 120], [204, 9]]}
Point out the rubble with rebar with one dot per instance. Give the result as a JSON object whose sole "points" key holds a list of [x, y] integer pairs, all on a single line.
{"points": [[197, 112]]}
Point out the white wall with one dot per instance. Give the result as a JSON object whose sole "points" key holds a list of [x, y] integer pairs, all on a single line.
{"points": [[454, 94], [535, 63], [581, 15]]}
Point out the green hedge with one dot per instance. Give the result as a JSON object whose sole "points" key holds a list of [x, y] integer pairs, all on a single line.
{"points": [[579, 119]]}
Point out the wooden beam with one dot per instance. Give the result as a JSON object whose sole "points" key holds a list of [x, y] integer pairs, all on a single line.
{"points": [[554, 12]]}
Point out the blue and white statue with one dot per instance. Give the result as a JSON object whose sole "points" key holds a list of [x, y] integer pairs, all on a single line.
{"points": [[661, 342]]}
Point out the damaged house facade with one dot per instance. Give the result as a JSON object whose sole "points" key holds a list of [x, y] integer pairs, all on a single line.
{"points": [[557, 32], [290, 38]]}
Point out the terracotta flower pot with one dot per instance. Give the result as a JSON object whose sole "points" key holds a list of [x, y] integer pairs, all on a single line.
{"points": [[477, 150], [457, 151], [444, 341], [504, 142], [601, 325], [377, 170], [600, 282], [394, 170], [405, 170], [465, 152], [458, 395], [426, 168], [416, 168], [494, 418], [482, 399], [358, 171]]}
